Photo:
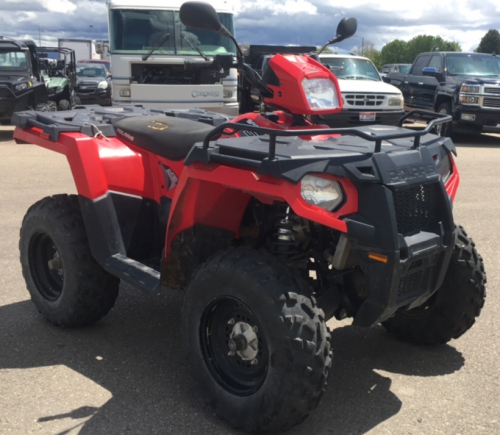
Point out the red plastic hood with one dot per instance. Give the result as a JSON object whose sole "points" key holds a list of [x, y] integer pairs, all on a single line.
{"points": [[289, 94]]}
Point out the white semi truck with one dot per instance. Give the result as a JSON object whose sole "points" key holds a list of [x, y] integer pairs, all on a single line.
{"points": [[86, 48], [153, 53]]}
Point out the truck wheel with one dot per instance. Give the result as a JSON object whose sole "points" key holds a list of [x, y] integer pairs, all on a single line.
{"points": [[42, 107], [444, 130], [453, 309], [52, 106], [66, 283], [256, 342], [64, 105]]}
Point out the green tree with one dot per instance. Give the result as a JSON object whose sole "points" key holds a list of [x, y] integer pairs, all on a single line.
{"points": [[394, 52], [490, 42], [368, 50], [399, 51]]}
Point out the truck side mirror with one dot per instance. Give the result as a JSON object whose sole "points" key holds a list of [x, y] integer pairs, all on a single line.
{"points": [[99, 47], [202, 16], [347, 28], [431, 72]]}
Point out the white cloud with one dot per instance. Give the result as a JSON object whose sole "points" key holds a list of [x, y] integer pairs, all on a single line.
{"points": [[279, 21], [287, 7], [59, 6]]}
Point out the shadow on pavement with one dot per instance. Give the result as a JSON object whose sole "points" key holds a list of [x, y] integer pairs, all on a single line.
{"points": [[6, 134], [476, 140], [142, 365]]}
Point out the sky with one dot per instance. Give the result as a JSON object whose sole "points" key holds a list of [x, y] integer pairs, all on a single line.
{"points": [[276, 21]]}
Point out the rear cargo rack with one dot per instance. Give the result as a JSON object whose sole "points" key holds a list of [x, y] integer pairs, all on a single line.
{"points": [[232, 128]]}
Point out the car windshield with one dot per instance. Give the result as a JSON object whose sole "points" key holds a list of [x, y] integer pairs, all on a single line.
{"points": [[473, 65], [13, 60], [347, 68], [90, 71], [138, 31]]}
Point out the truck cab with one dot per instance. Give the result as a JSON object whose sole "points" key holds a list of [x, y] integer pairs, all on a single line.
{"points": [[21, 86], [464, 85], [159, 62]]}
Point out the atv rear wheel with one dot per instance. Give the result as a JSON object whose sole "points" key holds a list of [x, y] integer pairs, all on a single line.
{"points": [[66, 283], [64, 105], [453, 309], [256, 342]]}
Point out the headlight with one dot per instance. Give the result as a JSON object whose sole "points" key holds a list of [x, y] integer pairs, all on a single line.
{"points": [[469, 99], [228, 94], [396, 101], [444, 168], [470, 89], [21, 86], [124, 92], [320, 94], [103, 85], [321, 192]]}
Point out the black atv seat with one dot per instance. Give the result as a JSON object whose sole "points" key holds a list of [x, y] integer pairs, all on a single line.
{"points": [[166, 136]]}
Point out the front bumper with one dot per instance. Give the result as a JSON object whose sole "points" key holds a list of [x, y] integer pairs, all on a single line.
{"points": [[484, 119], [406, 221], [10, 102], [349, 118], [98, 96]]}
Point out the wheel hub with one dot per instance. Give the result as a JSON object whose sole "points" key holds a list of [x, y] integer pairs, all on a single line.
{"points": [[244, 341]]}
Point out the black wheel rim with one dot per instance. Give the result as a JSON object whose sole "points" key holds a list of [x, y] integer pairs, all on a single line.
{"points": [[49, 279], [236, 375]]}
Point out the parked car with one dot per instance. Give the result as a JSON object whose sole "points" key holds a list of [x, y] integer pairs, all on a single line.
{"points": [[94, 84], [106, 63], [401, 68], [464, 85], [367, 99]]}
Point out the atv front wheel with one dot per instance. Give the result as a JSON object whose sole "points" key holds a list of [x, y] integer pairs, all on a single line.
{"points": [[453, 309], [66, 283], [256, 342], [64, 105], [52, 106]]}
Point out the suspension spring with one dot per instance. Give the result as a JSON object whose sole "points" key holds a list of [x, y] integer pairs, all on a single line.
{"points": [[284, 242]]}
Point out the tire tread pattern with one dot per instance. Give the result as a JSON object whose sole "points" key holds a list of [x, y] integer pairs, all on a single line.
{"points": [[456, 305], [89, 292], [305, 346]]}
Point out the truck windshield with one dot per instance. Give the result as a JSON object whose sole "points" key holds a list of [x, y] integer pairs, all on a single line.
{"points": [[13, 60], [473, 65], [137, 31], [351, 68], [404, 69]]}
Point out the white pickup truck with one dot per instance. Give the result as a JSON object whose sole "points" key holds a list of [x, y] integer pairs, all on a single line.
{"points": [[367, 98]]}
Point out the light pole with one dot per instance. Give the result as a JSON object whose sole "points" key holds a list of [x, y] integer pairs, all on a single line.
{"points": [[362, 44]]}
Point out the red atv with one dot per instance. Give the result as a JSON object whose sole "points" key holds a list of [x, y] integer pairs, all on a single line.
{"points": [[270, 224]]}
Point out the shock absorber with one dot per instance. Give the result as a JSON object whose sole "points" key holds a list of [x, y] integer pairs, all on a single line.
{"points": [[284, 238]]}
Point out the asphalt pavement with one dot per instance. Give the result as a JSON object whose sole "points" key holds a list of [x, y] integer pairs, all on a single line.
{"points": [[127, 374]]}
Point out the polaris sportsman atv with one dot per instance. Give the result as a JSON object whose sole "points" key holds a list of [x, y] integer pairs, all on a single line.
{"points": [[21, 87], [58, 68], [271, 226]]}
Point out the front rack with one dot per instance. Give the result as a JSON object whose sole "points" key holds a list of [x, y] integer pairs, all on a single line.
{"points": [[232, 128]]}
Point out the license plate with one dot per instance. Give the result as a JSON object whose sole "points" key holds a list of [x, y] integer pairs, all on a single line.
{"points": [[367, 116]]}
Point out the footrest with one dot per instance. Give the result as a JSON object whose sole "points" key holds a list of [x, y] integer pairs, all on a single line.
{"points": [[133, 272]]}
